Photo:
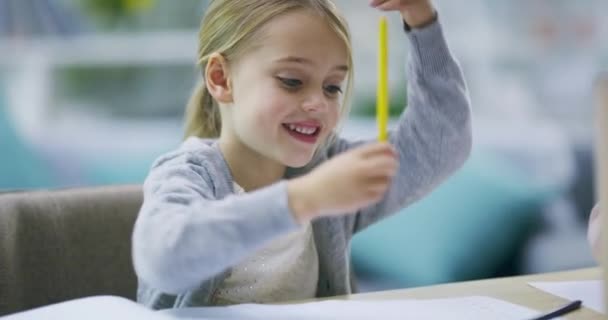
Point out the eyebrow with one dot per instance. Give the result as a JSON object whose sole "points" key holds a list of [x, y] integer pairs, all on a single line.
{"points": [[300, 60]]}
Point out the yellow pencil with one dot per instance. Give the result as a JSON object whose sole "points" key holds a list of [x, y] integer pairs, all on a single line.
{"points": [[382, 93]]}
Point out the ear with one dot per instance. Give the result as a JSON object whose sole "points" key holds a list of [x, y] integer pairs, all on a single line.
{"points": [[217, 78]]}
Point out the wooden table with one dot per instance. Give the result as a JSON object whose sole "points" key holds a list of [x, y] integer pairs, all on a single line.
{"points": [[512, 289]]}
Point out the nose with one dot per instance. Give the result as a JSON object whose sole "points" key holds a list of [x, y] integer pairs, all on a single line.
{"points": [[315, 103]]}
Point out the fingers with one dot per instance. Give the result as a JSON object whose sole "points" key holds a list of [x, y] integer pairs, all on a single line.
{"points": [[376, 148], [381, 166], [377, 172], [388, 6], [376, 160], [385, 5], [377, 187], [375, 3]]}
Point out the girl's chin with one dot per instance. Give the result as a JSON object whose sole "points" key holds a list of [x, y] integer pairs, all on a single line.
{"points": [[298, 161]]}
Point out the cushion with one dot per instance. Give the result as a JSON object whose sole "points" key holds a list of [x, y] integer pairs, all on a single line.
{"points": [[465, 229]]}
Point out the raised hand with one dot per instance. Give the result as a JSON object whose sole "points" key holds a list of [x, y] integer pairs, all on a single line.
{"points": [[416, 13], [345, 183]]}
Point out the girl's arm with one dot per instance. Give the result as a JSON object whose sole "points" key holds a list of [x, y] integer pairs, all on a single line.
{"points": [[184, 235], [433, 137], [594, 232]]}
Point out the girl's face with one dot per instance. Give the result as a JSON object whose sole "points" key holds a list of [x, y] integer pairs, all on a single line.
{"points": [[287, 91]]}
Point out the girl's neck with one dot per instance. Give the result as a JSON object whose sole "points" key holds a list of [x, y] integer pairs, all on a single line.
{"points": [[249, 169]]}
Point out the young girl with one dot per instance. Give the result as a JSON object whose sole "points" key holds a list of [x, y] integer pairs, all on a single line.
{"points": [[266, 211]]}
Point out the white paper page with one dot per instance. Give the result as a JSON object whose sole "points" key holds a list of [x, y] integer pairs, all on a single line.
{"points": [[589, 291], [93, 308], [454, 309]]}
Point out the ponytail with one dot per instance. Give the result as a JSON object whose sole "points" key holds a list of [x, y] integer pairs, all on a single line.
{"points": [[202, 115]]}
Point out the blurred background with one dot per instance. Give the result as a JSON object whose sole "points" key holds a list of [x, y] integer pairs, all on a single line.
{"points": [[92, 91]]}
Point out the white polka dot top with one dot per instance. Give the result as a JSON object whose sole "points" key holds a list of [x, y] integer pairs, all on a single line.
{"points": [[286, 269]]}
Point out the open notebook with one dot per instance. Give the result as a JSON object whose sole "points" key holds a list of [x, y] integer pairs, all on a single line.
{"points": [[92, 308], [110, 308], [467, 308]]}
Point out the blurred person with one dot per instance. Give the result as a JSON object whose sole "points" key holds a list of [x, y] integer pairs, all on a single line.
{"points": [[566, 44], [260, 202], [594, 232]]}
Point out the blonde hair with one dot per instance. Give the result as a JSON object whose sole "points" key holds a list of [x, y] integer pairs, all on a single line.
{"points": [[228, 28]]}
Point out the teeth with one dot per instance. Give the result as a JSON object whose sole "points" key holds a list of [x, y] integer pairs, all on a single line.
{"points": [[305, 130], [302, 130]]}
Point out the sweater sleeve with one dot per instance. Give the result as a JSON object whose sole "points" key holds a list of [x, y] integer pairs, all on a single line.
{"points": [[433, 136], [184, 235]]}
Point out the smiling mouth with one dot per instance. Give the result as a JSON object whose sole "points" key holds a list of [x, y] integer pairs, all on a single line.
{"points": [[307, 134]]}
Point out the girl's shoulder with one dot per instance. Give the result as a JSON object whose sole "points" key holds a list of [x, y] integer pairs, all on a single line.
{"points": [[193, 150], [195, 158]]}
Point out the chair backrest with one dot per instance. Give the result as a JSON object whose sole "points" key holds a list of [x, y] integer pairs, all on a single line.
{"points": [[66, 244]]}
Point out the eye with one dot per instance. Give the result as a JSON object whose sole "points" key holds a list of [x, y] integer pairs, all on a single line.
{"points": [[290, 83], [333, 90]]}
